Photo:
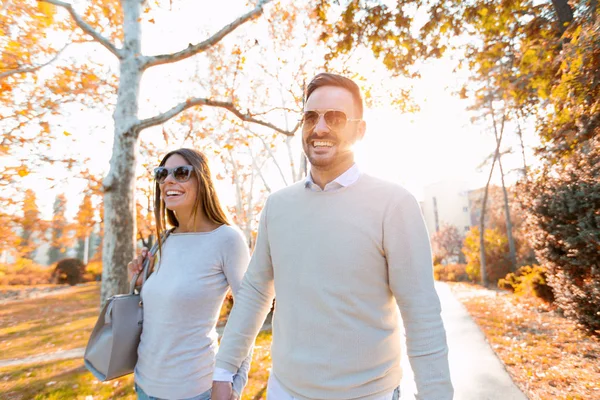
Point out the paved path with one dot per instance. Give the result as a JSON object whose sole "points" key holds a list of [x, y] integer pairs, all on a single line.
{"points": [[477, 373]]}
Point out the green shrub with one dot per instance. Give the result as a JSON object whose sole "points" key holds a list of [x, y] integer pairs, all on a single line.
{"points": [[564, 227], [69, 270], [528, 281], [451, 273]]}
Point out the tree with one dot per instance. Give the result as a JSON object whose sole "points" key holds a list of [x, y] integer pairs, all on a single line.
{"points": [[59, 230], [117, 28], [496, 249], [30, 225], [564, 227], [84, 225], [446, 244]]}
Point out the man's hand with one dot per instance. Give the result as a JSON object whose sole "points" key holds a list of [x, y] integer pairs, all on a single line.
{"points": [[222, 391]]}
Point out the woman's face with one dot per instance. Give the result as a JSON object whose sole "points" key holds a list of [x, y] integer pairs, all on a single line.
{"points": [[179, 197]]}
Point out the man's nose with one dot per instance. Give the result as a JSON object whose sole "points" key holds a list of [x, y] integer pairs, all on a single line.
{"points": [[321, 128]]}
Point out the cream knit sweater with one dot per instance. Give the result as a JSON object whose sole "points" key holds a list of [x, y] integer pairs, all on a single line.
{"points": [[340, 263]]}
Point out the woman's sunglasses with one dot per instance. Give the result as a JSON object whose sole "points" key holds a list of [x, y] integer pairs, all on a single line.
{"points": [[336, 120], [181, 173]]}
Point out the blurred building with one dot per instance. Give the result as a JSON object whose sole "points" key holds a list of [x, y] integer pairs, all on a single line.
{"points": [[448, 202]]}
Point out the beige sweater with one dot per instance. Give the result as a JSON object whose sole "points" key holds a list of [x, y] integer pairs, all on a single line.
{"points": [[339, 263]]}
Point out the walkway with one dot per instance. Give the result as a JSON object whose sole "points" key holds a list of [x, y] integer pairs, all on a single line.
{"points": [[476, 371]]}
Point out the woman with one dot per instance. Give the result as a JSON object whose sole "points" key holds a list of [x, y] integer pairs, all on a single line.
{"points": [[198, 261]]}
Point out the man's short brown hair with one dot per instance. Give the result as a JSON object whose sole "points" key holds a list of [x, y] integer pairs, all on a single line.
{"points": [[329, 79]]}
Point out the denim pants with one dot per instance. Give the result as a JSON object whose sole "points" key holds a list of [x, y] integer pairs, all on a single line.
{"points": [[141, 395]]}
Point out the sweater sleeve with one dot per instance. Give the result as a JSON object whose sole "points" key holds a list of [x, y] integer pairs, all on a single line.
{"points": [[252, 304], [234, 267], [408, 254]]}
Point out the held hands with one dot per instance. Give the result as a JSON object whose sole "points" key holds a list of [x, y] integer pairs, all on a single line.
{"points": [[223, 391], [136, 265]]}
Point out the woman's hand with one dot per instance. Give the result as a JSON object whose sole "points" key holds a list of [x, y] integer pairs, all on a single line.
{"points": [[136, 265]]}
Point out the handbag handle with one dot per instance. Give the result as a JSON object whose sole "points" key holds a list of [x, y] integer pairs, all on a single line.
{"points": [[146, 265]]}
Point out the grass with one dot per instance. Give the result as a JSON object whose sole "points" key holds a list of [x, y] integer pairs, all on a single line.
{"points": [[546, 354], [63, 321], [49, 324], [66, 379]]}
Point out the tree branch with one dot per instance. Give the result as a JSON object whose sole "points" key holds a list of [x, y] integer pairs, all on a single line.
{"points": [[32, 68], [164, 117], [193, 49], [86, 27]]}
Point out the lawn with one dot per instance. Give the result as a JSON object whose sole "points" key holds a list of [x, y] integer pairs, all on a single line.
{"points": [[64, 321], [545, 353]]}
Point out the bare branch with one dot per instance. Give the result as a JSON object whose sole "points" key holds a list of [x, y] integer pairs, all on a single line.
{"points": [[164, 117], [32, 68], [86, 27], [193, 49]]}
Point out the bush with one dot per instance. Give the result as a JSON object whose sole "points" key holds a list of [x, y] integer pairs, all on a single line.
{"points": [[451, 273], [497, 263], [93, 271], [24, 272], [564, 227], [69, 270], [528, 281]]}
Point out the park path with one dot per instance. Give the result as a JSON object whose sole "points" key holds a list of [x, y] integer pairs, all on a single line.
{"points": [[477, 373]]}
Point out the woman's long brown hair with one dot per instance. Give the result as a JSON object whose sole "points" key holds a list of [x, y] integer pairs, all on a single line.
{"points": [[207, 200]]}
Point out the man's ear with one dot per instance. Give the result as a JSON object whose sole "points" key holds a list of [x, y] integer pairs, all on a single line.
{"points": [[360, 130]]}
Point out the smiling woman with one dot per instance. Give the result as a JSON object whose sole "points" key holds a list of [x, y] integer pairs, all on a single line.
{"points": [[200, 259]]}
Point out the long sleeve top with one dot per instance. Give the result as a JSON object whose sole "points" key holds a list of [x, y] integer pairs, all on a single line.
{"points": [[342, 263], [182, 300]]}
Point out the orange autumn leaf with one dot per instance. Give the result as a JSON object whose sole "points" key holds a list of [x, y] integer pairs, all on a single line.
{"points": [[45, 126], [23, 172]]}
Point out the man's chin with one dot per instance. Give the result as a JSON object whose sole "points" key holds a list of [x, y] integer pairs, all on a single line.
{"points": [[321, 162]]}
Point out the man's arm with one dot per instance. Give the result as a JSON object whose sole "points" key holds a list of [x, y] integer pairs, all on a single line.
{"points": [[252, 304], [408, 255]]}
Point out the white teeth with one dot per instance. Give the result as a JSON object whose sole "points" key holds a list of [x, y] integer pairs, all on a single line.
{"points": [[322, 143], [173, 193]]}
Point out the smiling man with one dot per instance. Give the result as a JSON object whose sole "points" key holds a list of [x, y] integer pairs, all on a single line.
{"points": [[343, 251]]}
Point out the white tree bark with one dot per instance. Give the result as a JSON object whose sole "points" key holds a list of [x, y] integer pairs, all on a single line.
{"points": [[119, 184]]}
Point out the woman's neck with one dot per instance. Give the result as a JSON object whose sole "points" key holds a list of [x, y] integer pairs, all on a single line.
{"points": [[199, 223]]}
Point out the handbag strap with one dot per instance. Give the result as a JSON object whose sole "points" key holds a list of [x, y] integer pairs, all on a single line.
{"points": [[146, 265]]}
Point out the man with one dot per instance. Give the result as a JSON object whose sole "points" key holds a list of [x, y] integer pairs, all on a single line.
{"points": [[342, 250]]}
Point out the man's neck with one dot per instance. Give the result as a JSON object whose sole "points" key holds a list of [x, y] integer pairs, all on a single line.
{"points": [[322, 177]]}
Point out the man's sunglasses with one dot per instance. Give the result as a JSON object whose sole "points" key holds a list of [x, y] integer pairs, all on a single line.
{"points": [[181, 173], [336, 120]]}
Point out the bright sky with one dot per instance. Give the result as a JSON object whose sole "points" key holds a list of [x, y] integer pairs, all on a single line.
{"points": [[437, 143]]}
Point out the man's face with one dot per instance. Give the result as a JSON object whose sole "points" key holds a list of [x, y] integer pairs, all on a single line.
{"points": [[327, 148]]}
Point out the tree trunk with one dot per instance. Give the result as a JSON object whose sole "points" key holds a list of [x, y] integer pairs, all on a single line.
{"points": [[564, 12], [520, 134], [511, 241], [119, 184]]}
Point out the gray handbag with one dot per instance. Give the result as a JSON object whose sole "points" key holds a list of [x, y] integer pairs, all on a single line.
{"points": [[111, 351]]}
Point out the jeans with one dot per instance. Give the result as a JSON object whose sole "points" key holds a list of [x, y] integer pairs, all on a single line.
{"points": [[141, 395]]}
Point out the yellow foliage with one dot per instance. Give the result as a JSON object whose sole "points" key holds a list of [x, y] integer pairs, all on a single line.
{"points": [[23, 171], [48, 10]]}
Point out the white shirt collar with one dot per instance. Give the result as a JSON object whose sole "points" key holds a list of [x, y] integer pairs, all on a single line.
{"points": [[349, 177]]}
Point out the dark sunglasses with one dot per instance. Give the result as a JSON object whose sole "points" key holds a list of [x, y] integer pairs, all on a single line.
{"points": [[336, 120], [181, 173]]}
